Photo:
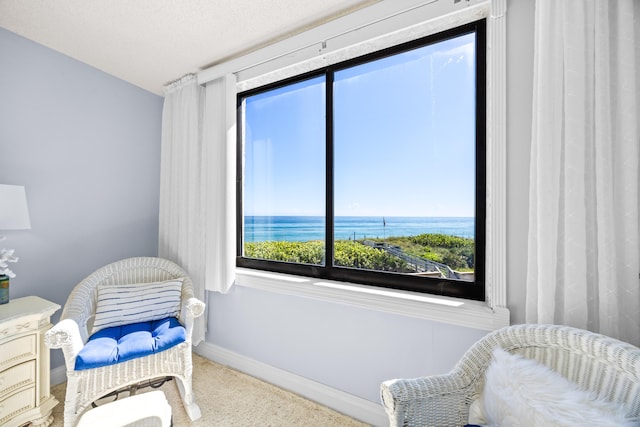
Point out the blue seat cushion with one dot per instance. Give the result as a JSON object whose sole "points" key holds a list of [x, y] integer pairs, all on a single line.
{"points": [[121, 343]]}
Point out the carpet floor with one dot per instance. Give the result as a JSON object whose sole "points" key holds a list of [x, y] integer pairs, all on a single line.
{"points": [[230, 398]]}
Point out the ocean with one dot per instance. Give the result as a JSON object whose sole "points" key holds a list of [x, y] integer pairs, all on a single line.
{"points": [[305, 228]]}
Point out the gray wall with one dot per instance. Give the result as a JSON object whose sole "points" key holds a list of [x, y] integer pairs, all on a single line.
{"points": [[354, 349], [87, 148], [347, 348]]}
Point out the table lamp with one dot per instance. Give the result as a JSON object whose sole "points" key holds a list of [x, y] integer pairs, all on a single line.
{"points": [[14, 214]]}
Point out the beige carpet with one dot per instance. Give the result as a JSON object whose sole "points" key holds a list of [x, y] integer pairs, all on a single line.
{"points": [[230, 398]]}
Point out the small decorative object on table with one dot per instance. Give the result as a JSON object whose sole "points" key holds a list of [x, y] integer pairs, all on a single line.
{"points": [[4, 289], [6, 256]]}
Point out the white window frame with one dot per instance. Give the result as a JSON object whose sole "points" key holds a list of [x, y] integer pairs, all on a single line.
{"points": [[381, 25]]}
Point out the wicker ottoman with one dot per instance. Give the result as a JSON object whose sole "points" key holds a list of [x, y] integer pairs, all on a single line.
{"points": [[142, 410]]}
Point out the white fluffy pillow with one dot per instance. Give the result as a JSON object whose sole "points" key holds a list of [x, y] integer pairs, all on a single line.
{"points": [[140, 302], [521, 392]]}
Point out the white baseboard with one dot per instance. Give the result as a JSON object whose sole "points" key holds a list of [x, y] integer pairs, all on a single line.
{"points": [[348, 404]]}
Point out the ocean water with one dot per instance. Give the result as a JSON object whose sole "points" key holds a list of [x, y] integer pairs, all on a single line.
{"points": [[305, 228]]}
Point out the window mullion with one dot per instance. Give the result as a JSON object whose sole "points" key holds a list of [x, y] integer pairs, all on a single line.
{"points": [[329, 236]]}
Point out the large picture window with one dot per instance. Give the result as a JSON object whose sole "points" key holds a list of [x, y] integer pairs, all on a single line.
{"points": [[372, 170]]}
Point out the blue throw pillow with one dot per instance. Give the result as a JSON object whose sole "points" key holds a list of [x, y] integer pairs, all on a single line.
{"points": [[121, 343]]}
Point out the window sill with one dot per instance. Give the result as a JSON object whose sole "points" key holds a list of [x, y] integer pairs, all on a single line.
{"points": [[455, 311]]}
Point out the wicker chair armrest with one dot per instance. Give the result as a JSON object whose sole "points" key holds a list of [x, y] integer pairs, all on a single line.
{"points": [[65, 335], [441, 400], [193, 307]]}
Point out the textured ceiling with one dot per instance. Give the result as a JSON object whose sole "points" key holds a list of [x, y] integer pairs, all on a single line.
{"points": [[150, 43]]}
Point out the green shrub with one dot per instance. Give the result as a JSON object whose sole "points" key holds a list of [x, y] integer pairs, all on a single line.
{"points": [[347, 254], [456, 252], [301, 252], [353, 254]]}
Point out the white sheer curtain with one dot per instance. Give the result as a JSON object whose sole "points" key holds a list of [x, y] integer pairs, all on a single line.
{"points": [[584, 240], [182, 236], [220, 152], [197, 183]]}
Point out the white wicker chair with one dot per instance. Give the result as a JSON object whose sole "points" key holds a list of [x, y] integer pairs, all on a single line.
{"points": [[73, 330], [597, 363]]}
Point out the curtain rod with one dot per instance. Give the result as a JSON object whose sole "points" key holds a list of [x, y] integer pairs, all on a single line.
{"points": [[315, 41]]}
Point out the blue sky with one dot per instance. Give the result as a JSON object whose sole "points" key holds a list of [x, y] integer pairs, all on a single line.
{"points": [[404, 143]]}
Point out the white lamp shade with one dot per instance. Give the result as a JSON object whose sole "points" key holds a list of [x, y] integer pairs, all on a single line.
{"points": [[14, 214]]}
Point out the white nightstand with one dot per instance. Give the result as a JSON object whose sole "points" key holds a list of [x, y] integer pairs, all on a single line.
{"points": [[25, 394]]}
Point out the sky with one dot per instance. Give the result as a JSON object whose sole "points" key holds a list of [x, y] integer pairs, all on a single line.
{"points": [[404, 139]]}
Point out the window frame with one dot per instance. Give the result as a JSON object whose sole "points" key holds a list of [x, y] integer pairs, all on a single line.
{"points": [[444, 287], [398, 281]]}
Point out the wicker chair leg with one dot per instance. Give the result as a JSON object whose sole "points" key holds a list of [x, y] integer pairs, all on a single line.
{"points": [[71, 404], [188, 401], [69, 418]]}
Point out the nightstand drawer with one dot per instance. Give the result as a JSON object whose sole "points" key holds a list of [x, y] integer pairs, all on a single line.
{"points": [[16, 404], [18, 350], [16, 377], [25, 394]]}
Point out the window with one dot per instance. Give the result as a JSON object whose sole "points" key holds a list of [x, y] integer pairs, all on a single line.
{"points": [[372, 170]]}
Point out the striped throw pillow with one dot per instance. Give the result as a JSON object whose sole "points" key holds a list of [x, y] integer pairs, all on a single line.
{"points": [[140, 302]]}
